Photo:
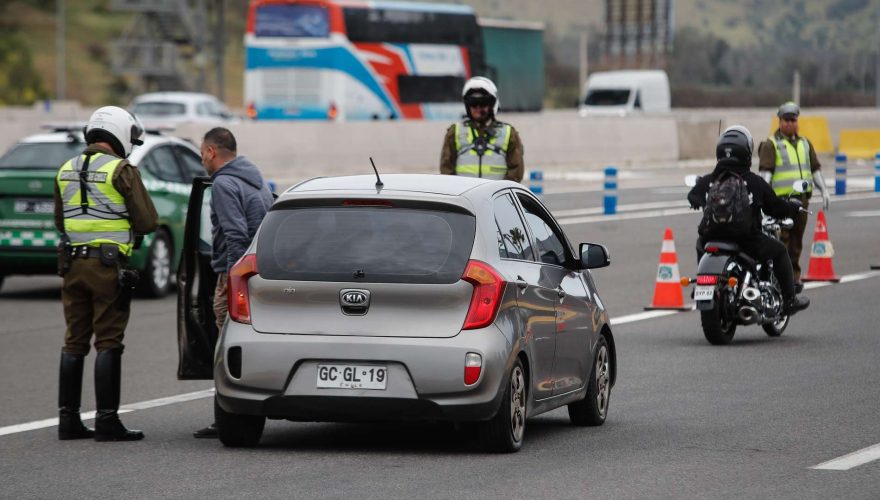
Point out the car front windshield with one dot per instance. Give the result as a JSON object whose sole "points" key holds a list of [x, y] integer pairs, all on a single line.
{"points": [[607, 97], [40, 155]]}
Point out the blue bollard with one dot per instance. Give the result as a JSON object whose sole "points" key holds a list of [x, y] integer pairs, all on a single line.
{"points": [[877, 173], [840, 175], [610, 199], [536, 183]]}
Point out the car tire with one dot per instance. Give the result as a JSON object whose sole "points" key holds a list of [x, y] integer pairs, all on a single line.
{"points": [[156, 278], [593, 409], [504, 433], [238, 431]]}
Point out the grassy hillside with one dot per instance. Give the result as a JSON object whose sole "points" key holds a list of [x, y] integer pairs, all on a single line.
{"points": [[820, 26]]}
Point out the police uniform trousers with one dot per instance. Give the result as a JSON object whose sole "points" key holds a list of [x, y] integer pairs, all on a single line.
{"points": [[94, 303], [793, 239]]}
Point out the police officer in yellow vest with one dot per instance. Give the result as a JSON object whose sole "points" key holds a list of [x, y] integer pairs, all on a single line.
{"points": [[480, 145], [784, 158], [101, 210]]}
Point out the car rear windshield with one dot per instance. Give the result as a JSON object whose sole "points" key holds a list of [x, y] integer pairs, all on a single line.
{"points": [[41, 155], [366, 244], [159, 109]]}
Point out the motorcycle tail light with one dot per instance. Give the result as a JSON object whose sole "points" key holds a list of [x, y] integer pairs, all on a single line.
{"points": [[685, 281], [239, 298], [707, 279]]}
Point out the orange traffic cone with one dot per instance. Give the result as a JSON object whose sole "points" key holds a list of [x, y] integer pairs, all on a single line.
{"points": [[820, 254], [667, 289]]}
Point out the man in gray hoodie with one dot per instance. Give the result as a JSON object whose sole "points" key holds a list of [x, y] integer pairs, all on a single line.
{"points": [[239, 201]]}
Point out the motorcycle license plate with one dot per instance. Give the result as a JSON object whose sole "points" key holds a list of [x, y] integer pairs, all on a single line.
{"points": [[704, 293]]}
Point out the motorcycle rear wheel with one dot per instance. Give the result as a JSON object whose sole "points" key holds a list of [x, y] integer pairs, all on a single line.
{"points": [[716, 329]]}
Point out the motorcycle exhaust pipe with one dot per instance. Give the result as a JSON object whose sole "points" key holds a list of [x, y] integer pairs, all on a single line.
{"points": [[748, 315], [752, 294]]}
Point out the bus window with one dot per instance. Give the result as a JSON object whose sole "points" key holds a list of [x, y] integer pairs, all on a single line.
{"points": [[292, 21], [416, 89]]}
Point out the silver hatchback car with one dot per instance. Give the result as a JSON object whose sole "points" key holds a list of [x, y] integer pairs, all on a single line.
{"points": [[427, 297]]}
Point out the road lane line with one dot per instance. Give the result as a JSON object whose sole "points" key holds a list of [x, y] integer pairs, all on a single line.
{"points": [[191, 396], [52, 422], [850, 460]]}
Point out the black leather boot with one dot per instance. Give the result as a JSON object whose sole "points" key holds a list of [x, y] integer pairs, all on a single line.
{"points": [[108, 372], [70, 425]]}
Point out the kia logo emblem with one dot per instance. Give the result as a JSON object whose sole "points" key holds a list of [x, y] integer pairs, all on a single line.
{"points": [[354, 298], [35, 185]]}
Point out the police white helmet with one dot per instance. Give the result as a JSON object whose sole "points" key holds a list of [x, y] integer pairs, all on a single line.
{"points": [[734, 146], [480, 90], [115, 126]]}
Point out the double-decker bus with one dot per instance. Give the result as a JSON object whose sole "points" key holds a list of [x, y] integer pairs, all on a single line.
{"points": [[358, 60]]}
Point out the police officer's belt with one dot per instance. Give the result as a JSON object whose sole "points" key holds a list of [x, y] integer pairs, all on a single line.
{"points": [[85, 252]]}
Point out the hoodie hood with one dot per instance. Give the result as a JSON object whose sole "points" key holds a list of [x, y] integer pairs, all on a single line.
{"points": [[241, 168]]}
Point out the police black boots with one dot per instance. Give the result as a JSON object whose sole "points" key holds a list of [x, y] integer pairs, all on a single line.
{"points": [[70, 425], [108, 427]]}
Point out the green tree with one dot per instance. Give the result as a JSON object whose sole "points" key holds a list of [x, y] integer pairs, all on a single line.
{"points": [[19, 81]]}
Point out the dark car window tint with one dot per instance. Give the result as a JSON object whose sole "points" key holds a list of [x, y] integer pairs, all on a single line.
{"points": [[159, 109], [550, 246], [162, 164], [514, 242], [192, 163], [47, 155], [365, 244]]}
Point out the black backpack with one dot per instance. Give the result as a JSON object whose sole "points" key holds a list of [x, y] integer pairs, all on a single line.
{"points": [[728, 210]]}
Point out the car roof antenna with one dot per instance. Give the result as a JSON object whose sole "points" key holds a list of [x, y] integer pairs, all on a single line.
{"points": [[379, 183]]}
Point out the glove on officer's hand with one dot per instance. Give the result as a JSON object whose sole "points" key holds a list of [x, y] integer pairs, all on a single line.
{"points": [[826, 199]]}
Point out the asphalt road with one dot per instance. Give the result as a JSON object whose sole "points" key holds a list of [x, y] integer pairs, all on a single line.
{"points": [[687, 419]]}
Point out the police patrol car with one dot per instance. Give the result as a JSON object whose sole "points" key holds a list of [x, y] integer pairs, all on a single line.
{"points": [[28, 238]]}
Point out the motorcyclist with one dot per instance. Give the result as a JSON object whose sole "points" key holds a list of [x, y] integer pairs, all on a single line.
{"points": [[733, 153]]}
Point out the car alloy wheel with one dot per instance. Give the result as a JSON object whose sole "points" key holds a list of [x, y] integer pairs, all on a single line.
{"points": [[603, 380], [517, 403]]}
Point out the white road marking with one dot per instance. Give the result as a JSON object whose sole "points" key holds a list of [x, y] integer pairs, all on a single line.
{"points": [[52, 422], [851, 460], [864, 213], [642, 316]]}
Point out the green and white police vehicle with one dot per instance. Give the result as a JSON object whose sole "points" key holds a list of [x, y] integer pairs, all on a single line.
{"points": [[28, 239]]}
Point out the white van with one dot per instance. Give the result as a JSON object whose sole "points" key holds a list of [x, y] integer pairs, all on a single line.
{"points": [[621, 93]]}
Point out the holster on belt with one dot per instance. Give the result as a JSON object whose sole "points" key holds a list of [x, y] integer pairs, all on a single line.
{"points": [[64, 254]]}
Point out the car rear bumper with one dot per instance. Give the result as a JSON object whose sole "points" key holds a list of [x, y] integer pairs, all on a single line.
{"points": [[278, 376]]}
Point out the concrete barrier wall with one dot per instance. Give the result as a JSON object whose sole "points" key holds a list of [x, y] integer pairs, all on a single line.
{"points": [[554, 140]]}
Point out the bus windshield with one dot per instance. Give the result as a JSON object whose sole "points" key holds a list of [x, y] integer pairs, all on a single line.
{"points": [[288, 21], [344, 60]]}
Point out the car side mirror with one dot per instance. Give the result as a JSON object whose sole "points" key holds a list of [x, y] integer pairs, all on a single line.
{"points": [[691, 180], [594, 256]]}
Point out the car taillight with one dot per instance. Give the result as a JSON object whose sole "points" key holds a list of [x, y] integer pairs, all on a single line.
{"points": [[239, 300], [707, 279], [488, 287], [473, 364], [712, 249]]}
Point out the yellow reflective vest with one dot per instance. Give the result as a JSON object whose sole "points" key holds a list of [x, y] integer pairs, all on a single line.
{"points": [[97, 214], [792, 163], [492, 163]]}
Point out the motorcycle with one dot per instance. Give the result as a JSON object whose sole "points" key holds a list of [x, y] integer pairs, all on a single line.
{"points": [[734, 289]]}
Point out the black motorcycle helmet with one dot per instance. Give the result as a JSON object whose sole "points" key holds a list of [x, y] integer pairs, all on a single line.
{"points": [[734, 147]]}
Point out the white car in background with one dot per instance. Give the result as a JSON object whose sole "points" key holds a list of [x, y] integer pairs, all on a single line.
{"points": [[181, 107]]}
